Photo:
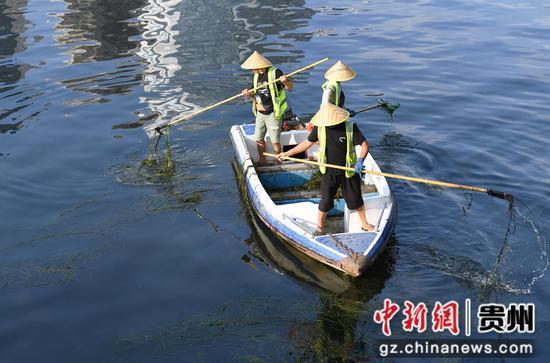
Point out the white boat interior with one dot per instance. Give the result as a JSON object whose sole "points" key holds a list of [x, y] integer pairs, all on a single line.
{"points": [[285, 183]]}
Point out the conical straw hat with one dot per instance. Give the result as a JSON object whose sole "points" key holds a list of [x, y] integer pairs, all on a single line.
{"points": [[329, 115], [256, 61], [340, 72]]}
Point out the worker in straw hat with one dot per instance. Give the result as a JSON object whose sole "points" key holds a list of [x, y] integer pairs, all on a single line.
{"points": [[269, 104], [332, 88], [337, 137]]}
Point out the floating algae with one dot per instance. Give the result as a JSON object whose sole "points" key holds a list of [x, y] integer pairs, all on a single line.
{"points": [[175, 201], [305, 332], [165, 166], [194, 198], [314, 183]]}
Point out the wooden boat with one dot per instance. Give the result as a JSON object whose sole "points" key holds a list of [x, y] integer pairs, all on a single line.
{"points": [[285, 198]]}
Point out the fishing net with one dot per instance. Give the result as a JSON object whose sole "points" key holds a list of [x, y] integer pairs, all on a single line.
{"points": [[388, 107], [523, 257]]}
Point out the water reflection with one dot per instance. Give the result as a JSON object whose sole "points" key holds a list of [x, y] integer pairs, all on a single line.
{"points": [[279, 256], [12, 26], [165, 98], [273, 29], [218, 33], [280, 18], [10, 127], [101, 30], [193, 48], [332, 336]]}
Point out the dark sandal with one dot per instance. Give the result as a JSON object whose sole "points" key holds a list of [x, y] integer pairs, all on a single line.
{"points": [[372, 229], [319, 232]]}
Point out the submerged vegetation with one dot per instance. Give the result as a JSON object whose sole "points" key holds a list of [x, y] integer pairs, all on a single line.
{"points": [[163, 165]]}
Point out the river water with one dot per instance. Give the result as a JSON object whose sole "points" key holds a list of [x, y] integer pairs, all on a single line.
{"points": [[103, 260]]}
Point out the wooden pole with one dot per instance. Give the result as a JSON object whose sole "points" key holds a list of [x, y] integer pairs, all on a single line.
{"points": [[387, 175], [368, 108], [187, 117]]}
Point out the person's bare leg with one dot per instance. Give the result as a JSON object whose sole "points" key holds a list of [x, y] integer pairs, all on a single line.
{"points": [[278, 150], [261, 149], [321, 217], [362, 216]]}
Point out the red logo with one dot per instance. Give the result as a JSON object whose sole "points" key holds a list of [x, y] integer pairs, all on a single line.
{"points": [[384, 316], [445, 317], [492, 317], [415, 317]]}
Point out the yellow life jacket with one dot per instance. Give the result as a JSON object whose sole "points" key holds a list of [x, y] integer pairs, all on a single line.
{"points": [[280, 103], [351, 156], [335, 95]]}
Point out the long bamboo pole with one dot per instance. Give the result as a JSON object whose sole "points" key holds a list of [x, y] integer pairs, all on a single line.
{"points": [[187, 117], [491, 192]]}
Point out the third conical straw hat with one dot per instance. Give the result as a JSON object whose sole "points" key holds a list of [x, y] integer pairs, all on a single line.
{"points": [[329, 115], [256, 61], [340, 72]]}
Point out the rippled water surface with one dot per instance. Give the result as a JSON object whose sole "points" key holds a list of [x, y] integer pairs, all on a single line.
{"points": [[102, 260]]}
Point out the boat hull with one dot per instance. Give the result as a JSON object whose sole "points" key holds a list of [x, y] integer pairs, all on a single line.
{"points": [[264, 208]]}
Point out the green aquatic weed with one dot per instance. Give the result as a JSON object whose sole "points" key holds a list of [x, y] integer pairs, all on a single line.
{"points": [[153, 161]]}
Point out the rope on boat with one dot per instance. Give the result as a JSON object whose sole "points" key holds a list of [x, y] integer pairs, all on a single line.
{"points": [[351, 253]]}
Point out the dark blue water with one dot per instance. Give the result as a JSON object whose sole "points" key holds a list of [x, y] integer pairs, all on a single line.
{"points": [[103, 260]]}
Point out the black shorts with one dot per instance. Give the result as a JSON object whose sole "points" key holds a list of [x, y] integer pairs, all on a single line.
{"points": [[351, 188]]}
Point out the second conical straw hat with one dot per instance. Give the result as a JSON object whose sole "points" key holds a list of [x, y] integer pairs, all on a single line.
{"points": [[329, 115], [340, 72], [256, 61]]}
